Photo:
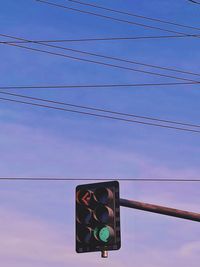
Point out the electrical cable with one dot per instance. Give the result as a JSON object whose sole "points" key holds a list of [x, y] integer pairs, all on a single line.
{"points": [[104, 64], [135, 15], [107, 57], [73, 86], [101, 110], [104, 39], [112, 18], [97, 179], [100, 115], [195, 2]]}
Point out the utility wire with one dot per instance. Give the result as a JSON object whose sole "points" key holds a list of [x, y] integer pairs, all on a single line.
{"points": [[97, 179], [103, 39], [106, 57], [113, 18], [195, 2], [102, 63], [136, 15], [101, 110], [100, 115], [72, 86]]}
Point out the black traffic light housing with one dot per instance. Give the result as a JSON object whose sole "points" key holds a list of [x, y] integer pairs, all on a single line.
{"points": [[97, 217]]}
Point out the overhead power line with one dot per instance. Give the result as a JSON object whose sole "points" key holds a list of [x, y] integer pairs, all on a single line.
{"points": [[99, 62], [101, 110], [100, 115], [136, 15], [90, 86], [195, 2], [113, 18], [160, 180], [104, 56], [103, 39]]}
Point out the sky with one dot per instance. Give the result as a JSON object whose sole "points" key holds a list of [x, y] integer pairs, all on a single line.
{"points": [[37, 218]]}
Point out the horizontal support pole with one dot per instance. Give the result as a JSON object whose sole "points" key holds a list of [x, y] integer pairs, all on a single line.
{"points": [[160, 210]]}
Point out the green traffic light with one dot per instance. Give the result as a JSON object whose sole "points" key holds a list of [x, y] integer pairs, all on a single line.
{"points": [[103, 234]]}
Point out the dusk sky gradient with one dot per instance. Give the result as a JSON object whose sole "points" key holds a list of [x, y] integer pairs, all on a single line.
{"points": [[37, 218]]}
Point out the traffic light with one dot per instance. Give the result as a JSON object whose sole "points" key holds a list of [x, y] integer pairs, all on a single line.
{"points": [[97, 217]]}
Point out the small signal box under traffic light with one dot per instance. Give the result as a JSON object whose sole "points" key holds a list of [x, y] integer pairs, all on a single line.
{"points": [[97, 217]]}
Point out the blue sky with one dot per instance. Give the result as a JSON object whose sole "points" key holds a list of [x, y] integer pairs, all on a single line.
{"points": [[37, 219]]}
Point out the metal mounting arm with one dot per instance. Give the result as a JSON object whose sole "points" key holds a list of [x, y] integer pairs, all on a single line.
{"points": [[160, 210]]}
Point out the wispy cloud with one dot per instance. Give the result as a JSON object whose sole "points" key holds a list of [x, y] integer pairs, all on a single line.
{"points": [[190, 249], [35, 151], [31, 240]]}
